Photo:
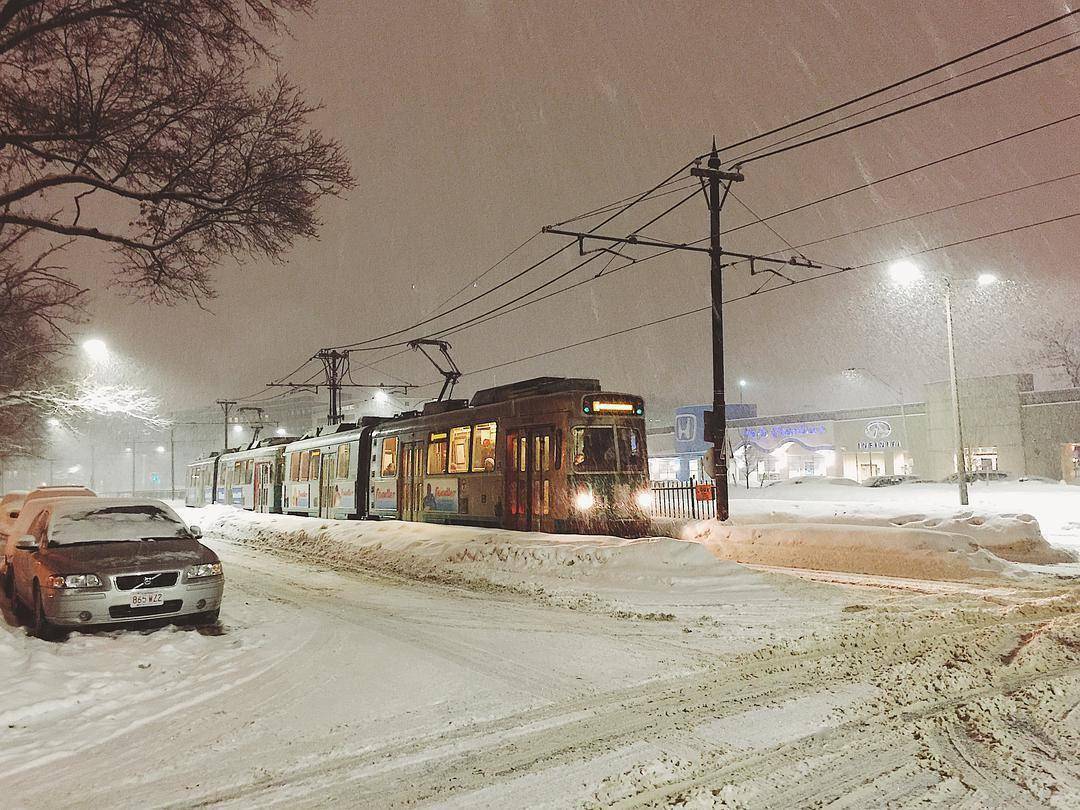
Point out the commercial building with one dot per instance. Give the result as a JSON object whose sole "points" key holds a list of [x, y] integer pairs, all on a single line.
{"points": [[1008, 426]]}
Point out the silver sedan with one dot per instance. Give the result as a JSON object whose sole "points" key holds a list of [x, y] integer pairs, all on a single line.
{"points": [[89, 561]]}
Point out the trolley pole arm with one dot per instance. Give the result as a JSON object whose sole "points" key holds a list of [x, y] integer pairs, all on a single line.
{"points": [[451, 374]]}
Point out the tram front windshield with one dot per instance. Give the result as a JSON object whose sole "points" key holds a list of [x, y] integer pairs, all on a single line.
{"points": [[607, 449]]}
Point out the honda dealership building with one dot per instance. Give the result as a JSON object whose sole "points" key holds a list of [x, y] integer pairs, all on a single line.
{"points": [[1008, 426]]}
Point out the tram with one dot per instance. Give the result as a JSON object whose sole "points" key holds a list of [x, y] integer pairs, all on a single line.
{"points": [[550, 454]]}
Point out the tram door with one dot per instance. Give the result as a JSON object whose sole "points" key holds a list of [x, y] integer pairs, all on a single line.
{"points": [[326, 484], [411, 481], [528, 476], [263, 486]]}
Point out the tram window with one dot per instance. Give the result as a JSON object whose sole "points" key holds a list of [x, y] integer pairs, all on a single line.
{"points": [[483, 448], [541, 453], [437, 453], [294, 466], [305, 463], [343, 461], [594, 449], [631, 457], [459, 449], [313, 473], [388, 465]]}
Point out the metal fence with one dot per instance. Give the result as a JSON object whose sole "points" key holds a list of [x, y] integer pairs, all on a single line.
{"points": [[693, 500]]}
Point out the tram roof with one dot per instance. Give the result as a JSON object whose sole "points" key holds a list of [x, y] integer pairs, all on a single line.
{"points": [[534, 387]]}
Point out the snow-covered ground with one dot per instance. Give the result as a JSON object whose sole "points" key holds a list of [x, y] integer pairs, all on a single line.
{"points": [[389, 664]]}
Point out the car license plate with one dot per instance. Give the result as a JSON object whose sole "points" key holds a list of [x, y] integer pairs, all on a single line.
{"points": [[146, 599]]}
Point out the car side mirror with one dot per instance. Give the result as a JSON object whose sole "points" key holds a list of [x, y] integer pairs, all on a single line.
{"points": [[27, 543], [195, 531]]}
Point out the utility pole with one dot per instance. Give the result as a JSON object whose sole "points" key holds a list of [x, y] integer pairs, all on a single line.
{"points": [[961, 462], [713, 176], [335, 366], [226, 404], [172, 461]]}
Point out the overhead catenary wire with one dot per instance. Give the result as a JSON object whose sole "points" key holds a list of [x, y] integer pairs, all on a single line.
{"points": [[516, 276], [892, 113], [929, 212], [820, 276], [893, 85], [894, 99], [912, 170], [590, 258]]}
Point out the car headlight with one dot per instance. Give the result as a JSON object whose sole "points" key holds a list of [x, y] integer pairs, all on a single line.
{"points": [[644, 500], [203, 571], [584, 500], [74, 581]]}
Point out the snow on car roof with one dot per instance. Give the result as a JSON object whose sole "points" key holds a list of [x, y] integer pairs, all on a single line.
{"points": [[67, 505]]}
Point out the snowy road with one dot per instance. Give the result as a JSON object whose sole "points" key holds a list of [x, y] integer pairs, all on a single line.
{"points": [[363, 689]]}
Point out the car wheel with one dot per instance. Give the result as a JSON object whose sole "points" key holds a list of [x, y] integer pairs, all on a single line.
{"points": [[40, 625], [210, 617]]}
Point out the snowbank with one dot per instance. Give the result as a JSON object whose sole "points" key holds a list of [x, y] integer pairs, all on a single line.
{"points": [[1056, 507], [1012, 536], [655, 577], [879, 550], [697, 562]]}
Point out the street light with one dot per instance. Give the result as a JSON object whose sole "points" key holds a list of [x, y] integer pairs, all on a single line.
{"points": [[53, 422], [906, 272], [159, 449], [96, 350], [381, 396], [281, 431]]}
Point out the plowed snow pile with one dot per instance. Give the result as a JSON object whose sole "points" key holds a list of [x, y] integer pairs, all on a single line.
{"points": [[879, 550], [1010, 536], [565, 561]]}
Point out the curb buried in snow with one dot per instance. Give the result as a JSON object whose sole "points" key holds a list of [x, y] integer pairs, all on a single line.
{"points": [[422, 548]]}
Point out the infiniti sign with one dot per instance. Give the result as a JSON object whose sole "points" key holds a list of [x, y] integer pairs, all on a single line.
{"points": [[878, 429]]}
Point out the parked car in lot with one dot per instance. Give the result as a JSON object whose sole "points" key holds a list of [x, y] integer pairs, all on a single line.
{"points": [[59, 491], [95, 561], [978, 475], [10, 505], [32, 503], [893, 480]]}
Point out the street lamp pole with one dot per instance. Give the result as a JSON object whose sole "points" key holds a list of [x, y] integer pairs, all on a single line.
{"points": [[961, 462]]}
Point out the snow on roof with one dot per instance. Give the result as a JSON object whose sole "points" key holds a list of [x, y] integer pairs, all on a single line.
{"points": [[65, 506]]}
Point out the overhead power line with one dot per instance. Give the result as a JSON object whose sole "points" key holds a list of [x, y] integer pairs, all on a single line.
{"points": [[910, 93], [912, 170], [452, 330], [516, 276], [914, 77], [884, 116], [743, 297]]}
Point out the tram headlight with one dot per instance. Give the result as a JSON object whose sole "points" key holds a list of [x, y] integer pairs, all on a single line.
{"points": [[584, 500], [644, 500]]}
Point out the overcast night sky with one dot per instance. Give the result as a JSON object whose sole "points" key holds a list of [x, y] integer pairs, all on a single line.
{"points": [[471, 125]]}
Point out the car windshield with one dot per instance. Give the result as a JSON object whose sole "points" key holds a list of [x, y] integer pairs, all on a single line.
{"points": [[114, 524]]}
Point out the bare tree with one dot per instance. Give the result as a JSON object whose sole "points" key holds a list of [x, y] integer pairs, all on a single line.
{"points": [[1059, 348], [37, 306], [134, 123]]}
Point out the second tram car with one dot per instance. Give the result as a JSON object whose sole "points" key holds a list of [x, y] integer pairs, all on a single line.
{"points": [[326, 475]]}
